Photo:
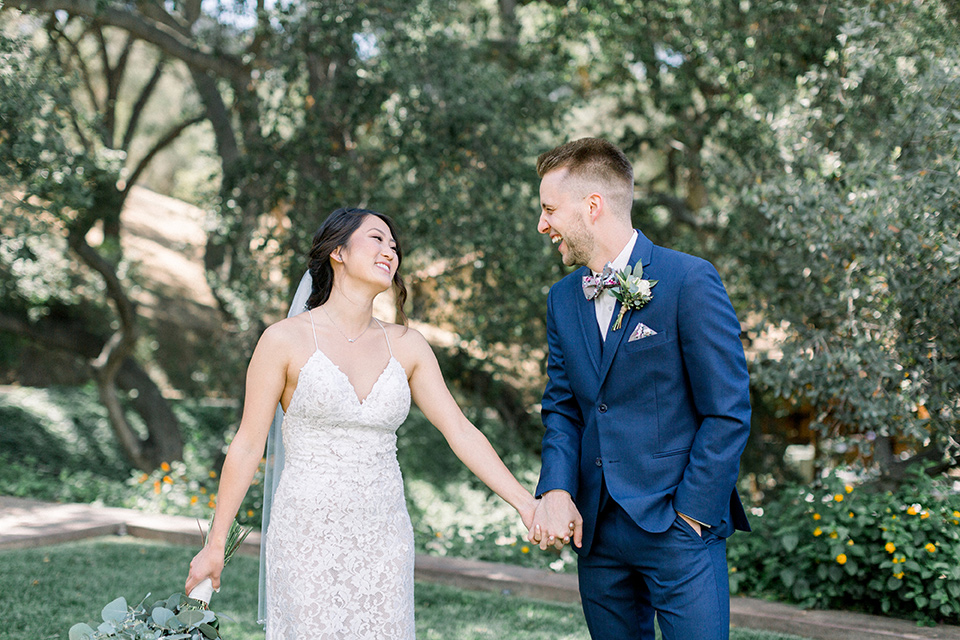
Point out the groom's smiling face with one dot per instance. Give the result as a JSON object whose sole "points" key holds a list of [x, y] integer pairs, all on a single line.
{"points": [[562, 216]]}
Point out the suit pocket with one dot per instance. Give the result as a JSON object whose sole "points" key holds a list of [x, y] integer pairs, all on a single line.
{"points": [[648, 342], [672, 452]]}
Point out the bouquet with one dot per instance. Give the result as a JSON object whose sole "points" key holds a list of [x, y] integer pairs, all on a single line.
{"points": [[184, 617]]}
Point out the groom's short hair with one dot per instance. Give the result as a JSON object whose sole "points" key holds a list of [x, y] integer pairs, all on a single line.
{"points": [[596, 163]]}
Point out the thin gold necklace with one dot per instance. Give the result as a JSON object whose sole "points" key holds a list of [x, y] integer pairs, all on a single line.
{"points": [[350, 340]]}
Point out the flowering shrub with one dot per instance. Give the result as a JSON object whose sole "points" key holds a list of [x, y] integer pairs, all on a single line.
{"points": [[173, 490], [842, 547]]}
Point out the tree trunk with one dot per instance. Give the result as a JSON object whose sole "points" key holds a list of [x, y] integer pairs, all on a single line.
{"points": [[71, 335]]}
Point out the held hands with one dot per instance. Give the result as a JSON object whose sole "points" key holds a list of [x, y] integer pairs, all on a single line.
{"points": [[556, 521], [208, 563]]}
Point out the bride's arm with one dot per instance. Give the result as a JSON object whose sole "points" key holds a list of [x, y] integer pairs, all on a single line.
{"points": [[266, 377], [430, 393]]}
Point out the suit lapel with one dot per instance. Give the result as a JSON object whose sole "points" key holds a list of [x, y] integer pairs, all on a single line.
{"points": [[588, 325], [642, 251]]}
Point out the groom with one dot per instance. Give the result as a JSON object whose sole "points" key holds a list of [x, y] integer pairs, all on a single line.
{"points": [[645, 423]]}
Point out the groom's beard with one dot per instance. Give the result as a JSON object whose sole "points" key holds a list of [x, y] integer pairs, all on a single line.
{"points": [[580, 245]]}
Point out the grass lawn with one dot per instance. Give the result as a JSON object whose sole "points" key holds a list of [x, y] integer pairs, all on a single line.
{"points": [[48, 589]]}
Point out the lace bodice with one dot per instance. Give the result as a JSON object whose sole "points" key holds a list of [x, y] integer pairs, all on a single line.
{"points": [[340, 544]]}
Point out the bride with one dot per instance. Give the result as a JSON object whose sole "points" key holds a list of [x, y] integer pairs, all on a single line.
{"points": [[339, 545]]}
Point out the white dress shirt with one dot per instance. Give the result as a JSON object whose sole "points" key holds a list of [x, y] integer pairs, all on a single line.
{"points": [[605, 302]]}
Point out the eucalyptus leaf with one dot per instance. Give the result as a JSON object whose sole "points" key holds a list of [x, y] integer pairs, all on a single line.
{"points": [[162, 616], [191, 617], [107, 628], [115, 611], [209, 632], [81, 631]]}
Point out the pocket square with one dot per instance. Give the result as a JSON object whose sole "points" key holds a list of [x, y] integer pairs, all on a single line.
{"points": [[641, 331]]}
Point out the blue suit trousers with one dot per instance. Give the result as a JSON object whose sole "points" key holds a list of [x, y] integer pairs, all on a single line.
{"points": [[632, 575]]}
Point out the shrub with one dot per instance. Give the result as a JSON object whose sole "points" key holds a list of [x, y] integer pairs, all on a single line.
{"points": [[842, 547]]}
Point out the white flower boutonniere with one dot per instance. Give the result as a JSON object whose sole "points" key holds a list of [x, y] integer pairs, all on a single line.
{"points": [[632, 291]]}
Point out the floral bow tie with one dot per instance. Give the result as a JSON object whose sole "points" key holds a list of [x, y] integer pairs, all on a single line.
{"points": [[593, 285]]}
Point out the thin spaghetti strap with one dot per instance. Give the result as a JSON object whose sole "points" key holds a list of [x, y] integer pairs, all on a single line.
{"points": [[314, 328], [385, 336]]}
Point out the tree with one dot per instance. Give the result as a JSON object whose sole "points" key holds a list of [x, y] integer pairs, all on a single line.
{"points": [[852, 240], [428, 111], [55, 282]]}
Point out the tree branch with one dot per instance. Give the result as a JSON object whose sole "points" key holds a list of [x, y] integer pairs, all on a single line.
{"points": [[141, 102], [167, 39], [166, 140]]}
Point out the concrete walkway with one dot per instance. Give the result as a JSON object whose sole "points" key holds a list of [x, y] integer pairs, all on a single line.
{"points": [[28, 523]]}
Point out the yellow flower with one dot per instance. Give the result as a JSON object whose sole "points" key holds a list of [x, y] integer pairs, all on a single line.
{"points": [[816, 516], [842, 558], [524, 549], [144, 478], [890, 547], [898, 575], [733, 569], [912, 511], [213, 474], [956, 514], [165, 466], [930, 547], [850, 514], [833, 534], [838, 497], [211, 504], [893, 517], [955, 521], [156, 487], [193, 499], [203, 489], [168, 479], [848, 488], [924, 515], [817, 531], [249, 513], [439, 534], [849, 543]]}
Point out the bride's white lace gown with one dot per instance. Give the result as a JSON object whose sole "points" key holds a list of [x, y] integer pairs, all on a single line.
{"points": [[340, 544]]}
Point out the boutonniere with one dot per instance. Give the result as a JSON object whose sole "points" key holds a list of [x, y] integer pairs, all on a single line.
{"points": [[631, 290]]}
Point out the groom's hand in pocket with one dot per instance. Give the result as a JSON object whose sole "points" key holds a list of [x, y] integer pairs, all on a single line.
{"points": [[556, 522]]}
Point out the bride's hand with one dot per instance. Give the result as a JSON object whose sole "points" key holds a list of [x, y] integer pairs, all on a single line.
{"points": [[527, 511], [208, 563]]}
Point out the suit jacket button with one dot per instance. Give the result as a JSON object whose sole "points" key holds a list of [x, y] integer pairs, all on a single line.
{"points": [[599, 462], [602, 408]]}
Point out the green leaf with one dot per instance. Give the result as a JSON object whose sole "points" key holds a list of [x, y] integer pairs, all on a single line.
{"points": [[190, 617], [788, 576], [921, 601], [115, 611], [790, 541], [107, 628], [209, 631], [162, 616], [81, 631]]}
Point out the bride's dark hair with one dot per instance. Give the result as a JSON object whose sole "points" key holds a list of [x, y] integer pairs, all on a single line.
{"points": [[335, 232]]}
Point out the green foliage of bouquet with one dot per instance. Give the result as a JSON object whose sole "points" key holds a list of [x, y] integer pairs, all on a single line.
{"points": [[180, 617], [176, 617], [841, 547]]}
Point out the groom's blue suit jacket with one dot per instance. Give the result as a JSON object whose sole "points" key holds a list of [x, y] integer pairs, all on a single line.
{"points": [[661, 419]]}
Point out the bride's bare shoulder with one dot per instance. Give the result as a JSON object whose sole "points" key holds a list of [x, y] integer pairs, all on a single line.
{"points": [[407, 340], [287, 333]]}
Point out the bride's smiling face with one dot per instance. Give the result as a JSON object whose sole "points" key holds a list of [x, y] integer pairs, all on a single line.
{"points": [[370, 254]]}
